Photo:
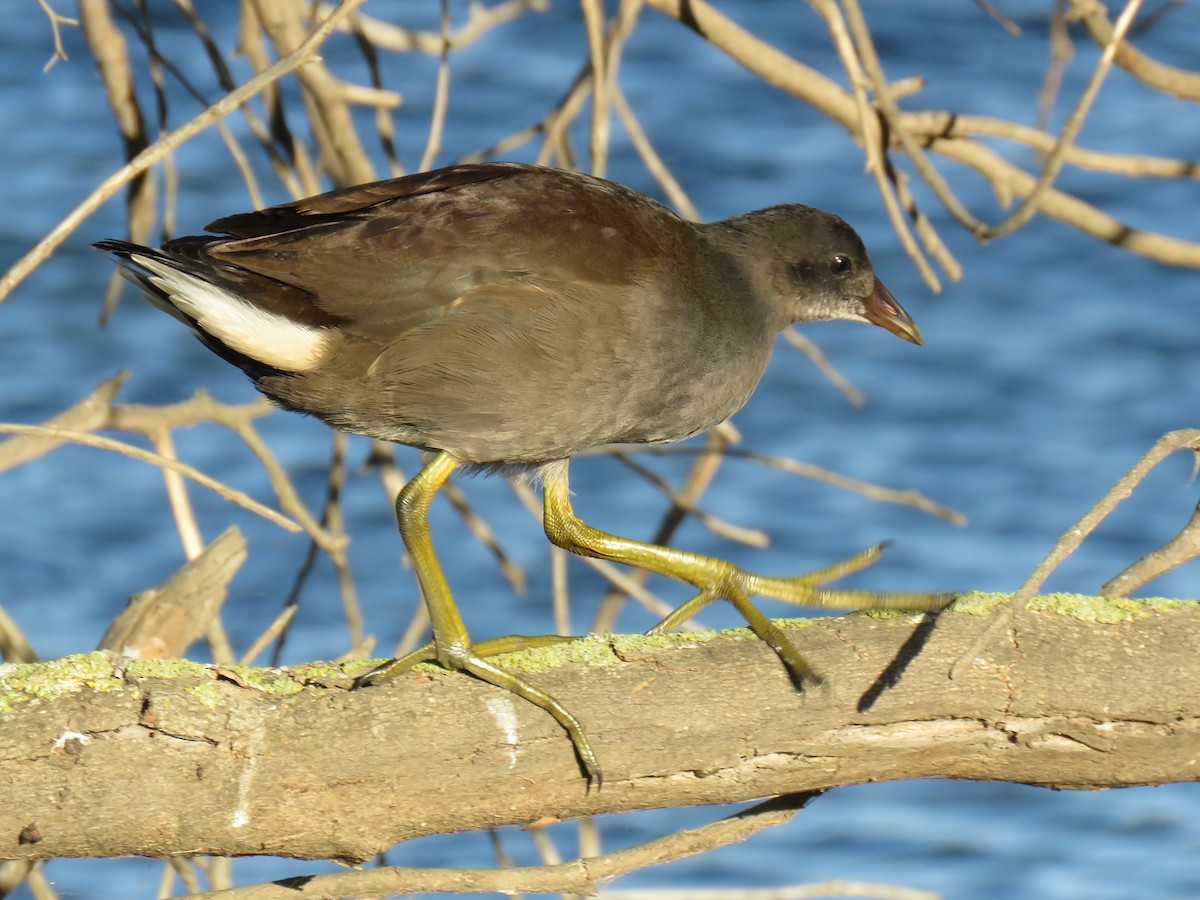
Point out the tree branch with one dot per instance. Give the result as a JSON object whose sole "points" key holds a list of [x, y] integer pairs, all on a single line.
{"points": [[172, 758], [1006, 179]]}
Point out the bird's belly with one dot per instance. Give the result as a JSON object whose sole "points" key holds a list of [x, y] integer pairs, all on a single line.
{"points": [[527, 404]]}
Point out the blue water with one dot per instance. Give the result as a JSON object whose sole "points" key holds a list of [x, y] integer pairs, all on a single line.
{"points": [[1049, 368]]}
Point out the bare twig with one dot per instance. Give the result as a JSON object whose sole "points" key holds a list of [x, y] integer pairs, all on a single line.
{"points": [[56, 22], [1068, 543], [593, 19], [1005, 22], [162, 622], [272, 632], [817, 357], [754, 537], [1054, 162], [177, 498], [1182, 548], [703, 470], [863, 69], [168, 142], [91, 440], [441, 96], [812, 891], [1182, 83], [930, 125], [480, 20], [653, 162], [581, 876], [14, 646], [629, 584], [871, 491], [341, 152], [825, 95]]}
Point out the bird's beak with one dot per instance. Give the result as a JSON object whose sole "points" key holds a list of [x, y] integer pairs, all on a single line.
{"points": [[880, 308]]}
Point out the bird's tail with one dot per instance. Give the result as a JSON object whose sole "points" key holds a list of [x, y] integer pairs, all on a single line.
{"points": [[255, 339]]}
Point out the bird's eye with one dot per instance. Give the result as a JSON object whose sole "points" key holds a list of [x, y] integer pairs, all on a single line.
{"points": [[840, 265]]}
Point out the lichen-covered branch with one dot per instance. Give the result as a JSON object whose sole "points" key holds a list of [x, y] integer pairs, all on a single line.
{"points": [[170, 758]]}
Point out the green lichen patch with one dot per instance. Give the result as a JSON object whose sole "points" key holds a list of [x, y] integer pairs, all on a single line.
{"points": [[279, 682], [322, 672], [886, 613], [978, 603], [1086, 608], [98, 671], [166, 668], [592, 649], [1108, 610], [206, 694], [797, 622], [54, 678]]}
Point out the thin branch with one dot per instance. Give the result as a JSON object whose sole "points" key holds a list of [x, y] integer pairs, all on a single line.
{"points": [[1005, 177], [700, 475], [56, 22], [1068, 543], [581, 876], [168, 142], [480, 20], [1182, 548], [817, 357], [593, 20], [233, 495], [870, 134], [911, 498], [627, 582], [1054, 162], [812, 891], [177, 498], [828, 97], [753, 537], [650, 158], [1181, 83], [931, 124], [441, 97]]}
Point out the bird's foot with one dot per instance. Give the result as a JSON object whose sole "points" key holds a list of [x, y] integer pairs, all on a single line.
{"points": [[472, 660], [738, 586], [510, 643]]}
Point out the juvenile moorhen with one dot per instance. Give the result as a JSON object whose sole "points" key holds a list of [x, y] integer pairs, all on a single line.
{"points": [[508, 316]]}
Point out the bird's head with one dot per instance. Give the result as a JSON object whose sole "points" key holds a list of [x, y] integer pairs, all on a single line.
{"points": [[812, 266]]}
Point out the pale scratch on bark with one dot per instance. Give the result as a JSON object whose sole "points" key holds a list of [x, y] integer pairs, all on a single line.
{"points": [[502, 711], [61, 740], [241, 815]]}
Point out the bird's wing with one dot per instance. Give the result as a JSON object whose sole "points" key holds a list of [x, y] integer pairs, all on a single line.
{"points": [[383, 258], [335, 205]]}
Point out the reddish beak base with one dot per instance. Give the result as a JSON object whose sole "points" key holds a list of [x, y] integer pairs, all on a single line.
{"points": [[882, 309]]}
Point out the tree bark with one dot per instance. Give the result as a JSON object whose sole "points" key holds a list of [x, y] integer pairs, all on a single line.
{"points": [[172, 758]]}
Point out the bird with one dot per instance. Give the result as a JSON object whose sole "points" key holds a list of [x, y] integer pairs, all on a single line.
{"points": [[504, 317]]}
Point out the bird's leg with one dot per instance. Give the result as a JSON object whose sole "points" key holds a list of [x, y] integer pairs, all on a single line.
{"points": [[716, 578], [451, 646]]}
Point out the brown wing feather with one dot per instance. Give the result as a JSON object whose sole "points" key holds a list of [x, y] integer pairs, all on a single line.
{"points": [[381, 259], [359, 199]]}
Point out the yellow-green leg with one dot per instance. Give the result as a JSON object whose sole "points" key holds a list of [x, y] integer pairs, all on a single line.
{"points": [[451, 646], [716, 578]]}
